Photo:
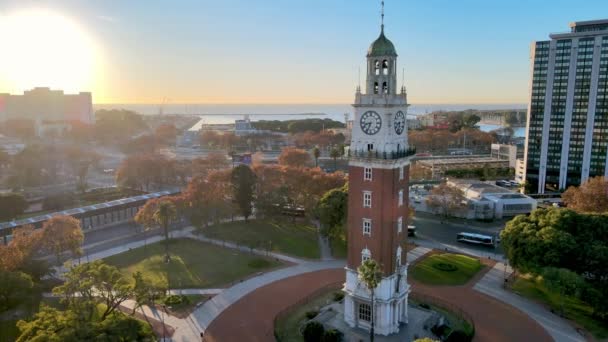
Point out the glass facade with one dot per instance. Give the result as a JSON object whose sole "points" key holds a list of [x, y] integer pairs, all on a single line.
{"points": [[600, 126], [537, 110], [575, 67]]}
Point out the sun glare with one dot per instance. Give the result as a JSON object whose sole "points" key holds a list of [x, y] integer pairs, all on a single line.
{"points": [[44, 49]]}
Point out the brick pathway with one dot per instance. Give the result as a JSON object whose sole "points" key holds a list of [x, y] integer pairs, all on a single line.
{"points": [[251, 318]]}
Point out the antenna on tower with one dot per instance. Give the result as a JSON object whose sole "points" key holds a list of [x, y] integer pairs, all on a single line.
{"points": [[382, 16], [359, 80]]}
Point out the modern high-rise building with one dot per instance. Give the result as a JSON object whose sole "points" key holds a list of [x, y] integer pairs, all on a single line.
{"points": [[378, 195], [567, 128]]}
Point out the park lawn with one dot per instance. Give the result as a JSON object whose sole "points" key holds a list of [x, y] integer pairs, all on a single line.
{"points": [[194, 264], [287, 327], [576, 310], [426, 272], [287, 238]]}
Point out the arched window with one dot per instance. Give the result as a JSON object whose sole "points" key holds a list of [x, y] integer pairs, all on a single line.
{"points": [[365, 255], [377, 67], [375, 87], [399, 250], [384, 88], [385, 67]]}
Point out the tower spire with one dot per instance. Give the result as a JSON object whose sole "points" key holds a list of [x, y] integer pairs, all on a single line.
{"points": [[382, 17]]}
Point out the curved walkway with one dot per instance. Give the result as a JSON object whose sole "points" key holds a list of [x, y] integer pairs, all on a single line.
{"points": [[252, 317], [188, 329]]}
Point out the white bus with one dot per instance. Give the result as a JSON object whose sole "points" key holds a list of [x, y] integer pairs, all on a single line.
{"points": [[478, 239]]}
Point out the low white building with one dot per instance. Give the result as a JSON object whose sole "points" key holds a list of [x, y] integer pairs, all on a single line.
{"points": [[484, 201], [487, 201]]}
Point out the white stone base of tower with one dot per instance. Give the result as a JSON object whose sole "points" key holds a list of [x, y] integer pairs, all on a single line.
{"points": [[390, 299]]}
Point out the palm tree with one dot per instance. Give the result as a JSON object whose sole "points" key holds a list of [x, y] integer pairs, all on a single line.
{"points": [[335, 153], [163, 215], [370, 274], [316, 153]]}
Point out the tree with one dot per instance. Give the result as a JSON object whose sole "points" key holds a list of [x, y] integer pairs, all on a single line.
{"points": [[446, 199], [63, 234], [564, 282], [316, 153], [19, 254], [591, 196], [208, 199], [144, 292], [80, 161], [167, 133], [164, 214], [92, 283], [50, 324], [562, 238], [335, 154], [11, 206], [294, 157], [243, 186], [332, 212], [15, 287], [370, 274]]}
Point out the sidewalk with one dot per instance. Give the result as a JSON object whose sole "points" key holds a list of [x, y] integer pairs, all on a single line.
{"points": [[492, 285], [201, 318]]}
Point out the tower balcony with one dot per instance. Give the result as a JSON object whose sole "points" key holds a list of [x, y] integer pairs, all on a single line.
{"points": [[393, 155]]}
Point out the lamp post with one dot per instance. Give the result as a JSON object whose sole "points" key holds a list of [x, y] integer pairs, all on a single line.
{"points": [[162, 317]]}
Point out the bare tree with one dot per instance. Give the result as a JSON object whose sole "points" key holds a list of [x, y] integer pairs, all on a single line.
{"points": [[446, 200]]}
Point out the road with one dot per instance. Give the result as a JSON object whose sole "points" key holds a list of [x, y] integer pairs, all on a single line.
{"points": [[432, 233]]}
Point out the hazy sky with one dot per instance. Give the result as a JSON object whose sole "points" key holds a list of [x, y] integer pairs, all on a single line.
{"points": [[271, 51]]}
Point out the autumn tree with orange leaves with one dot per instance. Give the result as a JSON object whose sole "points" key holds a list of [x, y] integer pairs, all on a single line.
{"points": [[589, 197], [64, 235], [294, 157]]}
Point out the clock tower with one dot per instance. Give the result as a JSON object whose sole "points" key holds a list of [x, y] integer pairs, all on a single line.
{"points": [[378, 194]]}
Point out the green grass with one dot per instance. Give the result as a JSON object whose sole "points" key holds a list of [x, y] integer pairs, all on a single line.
{"points": [[338, 248], [287, 328], [194, 264], [426, 272], [286, 238], [574, 309]]}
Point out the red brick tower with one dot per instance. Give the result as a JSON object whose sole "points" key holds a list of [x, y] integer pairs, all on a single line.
{"points": [[378, 194]]}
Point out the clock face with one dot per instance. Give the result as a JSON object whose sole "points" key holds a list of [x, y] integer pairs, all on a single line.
{"points": [[399, 122], [370, 122]]}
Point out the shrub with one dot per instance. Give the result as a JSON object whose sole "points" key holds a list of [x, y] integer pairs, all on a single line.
{"points": [[311, 314], [176, 299], [313, 331], [459, 336], [332, 335], [338, 296], [443, 266], [441, 330]]}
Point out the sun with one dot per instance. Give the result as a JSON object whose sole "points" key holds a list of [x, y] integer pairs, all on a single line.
{"points": [[41, 48]]}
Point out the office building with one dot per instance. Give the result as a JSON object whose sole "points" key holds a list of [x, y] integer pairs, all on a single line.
{"points": [[567, 127], [47, 106]]}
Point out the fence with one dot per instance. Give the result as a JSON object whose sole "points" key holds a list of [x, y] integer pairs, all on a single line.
{"points": [[288, 310]]}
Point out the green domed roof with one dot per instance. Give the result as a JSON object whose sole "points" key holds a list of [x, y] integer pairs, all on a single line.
{"points": [[381, 47]]}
